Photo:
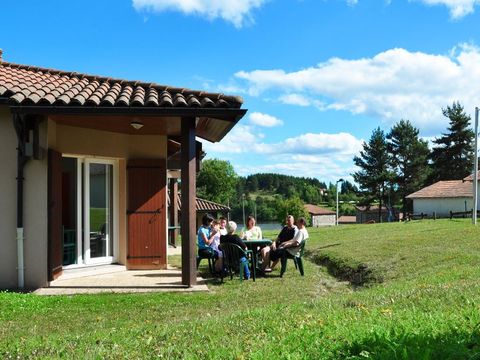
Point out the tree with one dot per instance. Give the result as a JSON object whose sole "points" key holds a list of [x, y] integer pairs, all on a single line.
{"points": [[408, 160], [217, 181], [293, 206], [373, 175], [452, 154]]}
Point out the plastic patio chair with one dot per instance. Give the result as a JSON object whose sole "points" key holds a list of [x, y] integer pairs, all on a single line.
{"points": [[210, 256], [232, 254], [297, 260]]}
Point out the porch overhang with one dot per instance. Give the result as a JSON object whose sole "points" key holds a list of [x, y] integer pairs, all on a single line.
{"points": [[212, 124]]}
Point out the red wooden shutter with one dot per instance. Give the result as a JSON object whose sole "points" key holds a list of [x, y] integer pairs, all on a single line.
{"points": [[55, 233], [147, 207]]}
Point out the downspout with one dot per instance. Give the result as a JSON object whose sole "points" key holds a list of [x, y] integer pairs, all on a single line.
{"points": [[20, 128]]}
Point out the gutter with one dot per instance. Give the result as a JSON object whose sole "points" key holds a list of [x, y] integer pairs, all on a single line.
{"points": [[19, 123], [27, 148]]}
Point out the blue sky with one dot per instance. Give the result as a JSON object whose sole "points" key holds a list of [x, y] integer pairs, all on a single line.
{"points": [[316, 75]]}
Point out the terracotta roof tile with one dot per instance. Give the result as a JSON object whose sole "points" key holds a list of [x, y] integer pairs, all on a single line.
{"points": [[201, 205], [30, 85], [445, 189], [470, 177], [317, 210]]}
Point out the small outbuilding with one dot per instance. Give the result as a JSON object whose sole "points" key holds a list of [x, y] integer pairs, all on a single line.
{"points": [[320, 216], [370, 214], [443, 197]]}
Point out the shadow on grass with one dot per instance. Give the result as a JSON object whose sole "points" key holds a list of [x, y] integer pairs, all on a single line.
{"points": [[455, 345], [342, 269]]}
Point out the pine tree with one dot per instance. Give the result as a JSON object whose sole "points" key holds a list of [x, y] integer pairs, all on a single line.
{"points": [[408, 160], [373, 175], [452, 155]]}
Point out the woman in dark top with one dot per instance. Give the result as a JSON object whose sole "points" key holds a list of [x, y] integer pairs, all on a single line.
{"points": [[233, 238]]}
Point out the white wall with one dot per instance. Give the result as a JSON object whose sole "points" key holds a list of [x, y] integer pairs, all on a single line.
{"points": [[8, 201], [441, 206], [323, 220], [35, 210]]}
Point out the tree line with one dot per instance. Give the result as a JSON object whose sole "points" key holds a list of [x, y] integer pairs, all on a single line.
{"points": [[395, 164], [266, 195]]}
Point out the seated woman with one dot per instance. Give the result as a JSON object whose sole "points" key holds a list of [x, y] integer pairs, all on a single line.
{"points": [[251, 232], [233, 238], [205, 237]]}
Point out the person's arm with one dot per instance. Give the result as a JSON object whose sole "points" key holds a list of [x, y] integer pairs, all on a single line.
{"points": [[260, 235], [296, 241], [206, 240], [240, 243]]}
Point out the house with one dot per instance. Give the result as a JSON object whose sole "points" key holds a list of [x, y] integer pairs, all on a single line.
{"points": [[347, 220], [443, 197], [367, 214], [86, 165], [320, 216]]}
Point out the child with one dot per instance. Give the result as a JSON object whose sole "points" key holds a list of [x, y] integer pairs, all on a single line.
{"points": [[215, 236]]}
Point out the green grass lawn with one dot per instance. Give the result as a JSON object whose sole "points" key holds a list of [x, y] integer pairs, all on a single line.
{"points": [[420, 299]]}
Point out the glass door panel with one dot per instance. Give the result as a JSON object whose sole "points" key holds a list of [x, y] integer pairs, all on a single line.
{"points": [[69, 211], [100, 209]]}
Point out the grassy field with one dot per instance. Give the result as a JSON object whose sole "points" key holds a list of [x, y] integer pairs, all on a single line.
{"points": [[419, 299]]}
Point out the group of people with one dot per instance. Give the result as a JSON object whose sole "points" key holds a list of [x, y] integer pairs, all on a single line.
{"points": [[214, 232]]}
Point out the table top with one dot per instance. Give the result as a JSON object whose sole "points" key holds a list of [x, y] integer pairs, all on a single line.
{"points": [[258, 242]]}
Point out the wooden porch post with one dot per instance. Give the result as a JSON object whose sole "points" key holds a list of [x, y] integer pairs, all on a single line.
{"points": [[173, 210], [189, 189]]}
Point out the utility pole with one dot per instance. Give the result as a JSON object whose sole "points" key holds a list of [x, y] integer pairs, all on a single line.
{"points": [[475, 172], [336, 190], [243, 206]]}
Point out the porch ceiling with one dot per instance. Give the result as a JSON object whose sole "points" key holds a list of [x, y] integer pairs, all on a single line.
{"points": [[206, 128]]}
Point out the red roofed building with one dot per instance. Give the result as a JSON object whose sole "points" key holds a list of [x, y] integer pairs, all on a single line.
{"points": [[443, 197], [320, 216], [87, 161]]}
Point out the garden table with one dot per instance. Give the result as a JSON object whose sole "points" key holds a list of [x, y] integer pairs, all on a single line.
{"points": [[254, 245]]}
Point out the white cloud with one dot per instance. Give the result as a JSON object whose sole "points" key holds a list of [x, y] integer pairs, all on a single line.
{"points": [[265, 120], [391, 85], [458, 8], [238, 12], [324, 156]]}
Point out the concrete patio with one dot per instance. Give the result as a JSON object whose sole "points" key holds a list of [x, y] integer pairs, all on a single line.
{"points": [[116, 279]]}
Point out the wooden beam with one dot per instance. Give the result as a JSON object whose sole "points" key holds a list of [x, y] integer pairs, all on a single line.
{"points": [[189, 189], [173, 210]]}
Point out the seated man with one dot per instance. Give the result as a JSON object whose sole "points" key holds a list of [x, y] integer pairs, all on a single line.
{"points": [[291, 246], [288, 233]]}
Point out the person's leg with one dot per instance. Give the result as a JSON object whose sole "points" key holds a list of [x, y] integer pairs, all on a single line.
{"points": [[275, 256], [265, 254], [246, 270], [219, 264]]}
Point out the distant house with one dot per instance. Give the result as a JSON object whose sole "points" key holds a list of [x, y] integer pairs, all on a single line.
{"points": [[443, 197], [347, 220], [371, 214], [320, 216]]}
